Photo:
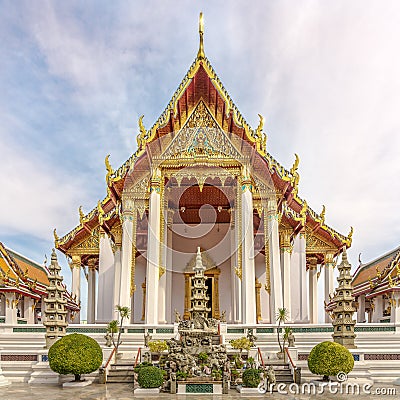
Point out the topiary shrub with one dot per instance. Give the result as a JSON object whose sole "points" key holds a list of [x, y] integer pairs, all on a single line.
{"points": [[329, 358], [150, 377], [75, 354], [251, 378], [142, 365]]}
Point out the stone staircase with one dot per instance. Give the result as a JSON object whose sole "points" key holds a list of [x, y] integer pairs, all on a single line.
{"points": [[121, 372], [283, 373]]}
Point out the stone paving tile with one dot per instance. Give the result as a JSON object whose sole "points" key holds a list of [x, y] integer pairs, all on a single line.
{"points": [[116, 391]]}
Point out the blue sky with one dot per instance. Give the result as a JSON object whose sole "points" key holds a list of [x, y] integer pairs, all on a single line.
{"points": [[75, 77]]}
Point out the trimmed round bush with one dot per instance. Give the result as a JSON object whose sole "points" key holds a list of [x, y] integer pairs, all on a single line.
{"points": [[75, 354], [330, 358], [251, 378], [150, 377]]}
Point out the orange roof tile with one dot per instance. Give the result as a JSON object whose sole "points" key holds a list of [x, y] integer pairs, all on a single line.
{"points": [[369, 270]]}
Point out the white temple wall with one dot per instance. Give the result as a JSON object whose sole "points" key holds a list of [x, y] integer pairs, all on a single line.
{"points": [[299, 300], [264, 296], [178, 293], [2, 305], [105, 282], [225, 297], [140, 274]]}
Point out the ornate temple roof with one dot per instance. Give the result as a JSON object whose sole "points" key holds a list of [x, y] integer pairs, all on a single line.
{"points": [[378, 276], [202, 84], [21, 275]]}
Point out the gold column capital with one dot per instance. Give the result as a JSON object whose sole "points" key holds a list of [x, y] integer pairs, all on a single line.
{"points": [[312, 262], [76, 261], [285, 240]]}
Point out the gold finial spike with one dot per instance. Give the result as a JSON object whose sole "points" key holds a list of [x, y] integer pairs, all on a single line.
{"points": [[81, 215], [56, 238], [200, 53]]}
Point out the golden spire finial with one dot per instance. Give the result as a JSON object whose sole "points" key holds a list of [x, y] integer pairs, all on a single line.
{"points": [[200, 53]]}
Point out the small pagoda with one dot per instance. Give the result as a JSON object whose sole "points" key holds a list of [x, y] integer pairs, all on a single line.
{"points": [[199, 298], [55, 311], [342, 321]]}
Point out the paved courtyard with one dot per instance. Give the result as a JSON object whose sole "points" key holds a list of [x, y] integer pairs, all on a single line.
{"points": [[19, 391]]}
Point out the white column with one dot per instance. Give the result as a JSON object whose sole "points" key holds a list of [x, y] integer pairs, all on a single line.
{"points": [[361, 308], [168, 294], [286, 251], [117, 270], [236, 293], [274, 254], [29, 312], [126, 259], [153, 252], [329, 280], [304, 315], [312, 287], [162, 283], [11, 309], [378, 309], [76, 285], [248, 268], [91, 302], [105, 304], [395, 309]]}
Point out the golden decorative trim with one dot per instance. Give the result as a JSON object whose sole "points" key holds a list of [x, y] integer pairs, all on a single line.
{"points": [[143, 300], [258, 301], [133, 259], [267, 285]]}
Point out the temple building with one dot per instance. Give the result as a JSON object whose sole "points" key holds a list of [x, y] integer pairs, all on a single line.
{"points": [[23, 290], [202, 177], [377, 289]]}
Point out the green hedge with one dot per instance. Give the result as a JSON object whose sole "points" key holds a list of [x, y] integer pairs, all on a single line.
{"points": [[75, 354], [251, 378], [150, 377], [329, 358]]}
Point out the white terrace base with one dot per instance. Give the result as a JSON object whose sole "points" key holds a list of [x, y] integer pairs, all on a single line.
{"points": [[3, 381], [152, 391]]}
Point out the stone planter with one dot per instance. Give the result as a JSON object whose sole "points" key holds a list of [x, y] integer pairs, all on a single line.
{"points": [[151, 392], [249, 391]]}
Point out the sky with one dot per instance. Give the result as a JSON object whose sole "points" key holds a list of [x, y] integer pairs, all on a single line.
{"points": [[75, 77]]}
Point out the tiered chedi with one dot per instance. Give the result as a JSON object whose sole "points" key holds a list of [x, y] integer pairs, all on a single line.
{"points": [[343, 322], [55, 312], [199, 298]]}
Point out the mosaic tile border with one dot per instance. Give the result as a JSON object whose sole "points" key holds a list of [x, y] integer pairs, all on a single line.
{"points": [[382, 357], [19, 357], [29, 330]]}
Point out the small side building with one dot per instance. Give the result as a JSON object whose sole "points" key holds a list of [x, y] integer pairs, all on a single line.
{"points": [[23, 288], [377, 289]]}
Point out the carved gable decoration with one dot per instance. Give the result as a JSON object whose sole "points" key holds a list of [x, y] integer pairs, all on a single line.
{"points": [[314, 244], [207, 262], [201, 136], [88, 246]]}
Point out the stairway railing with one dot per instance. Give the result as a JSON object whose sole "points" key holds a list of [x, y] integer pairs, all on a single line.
{"points": [[260, 357], [138, 354], [293, 369]]}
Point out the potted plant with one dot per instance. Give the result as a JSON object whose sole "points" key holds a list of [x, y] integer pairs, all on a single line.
{"points": [[157, 347], [181, 376], [241, 344], [251, 379], [150, 380], [330, 358], [115, 327], [75, 354], [282, 315]]}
